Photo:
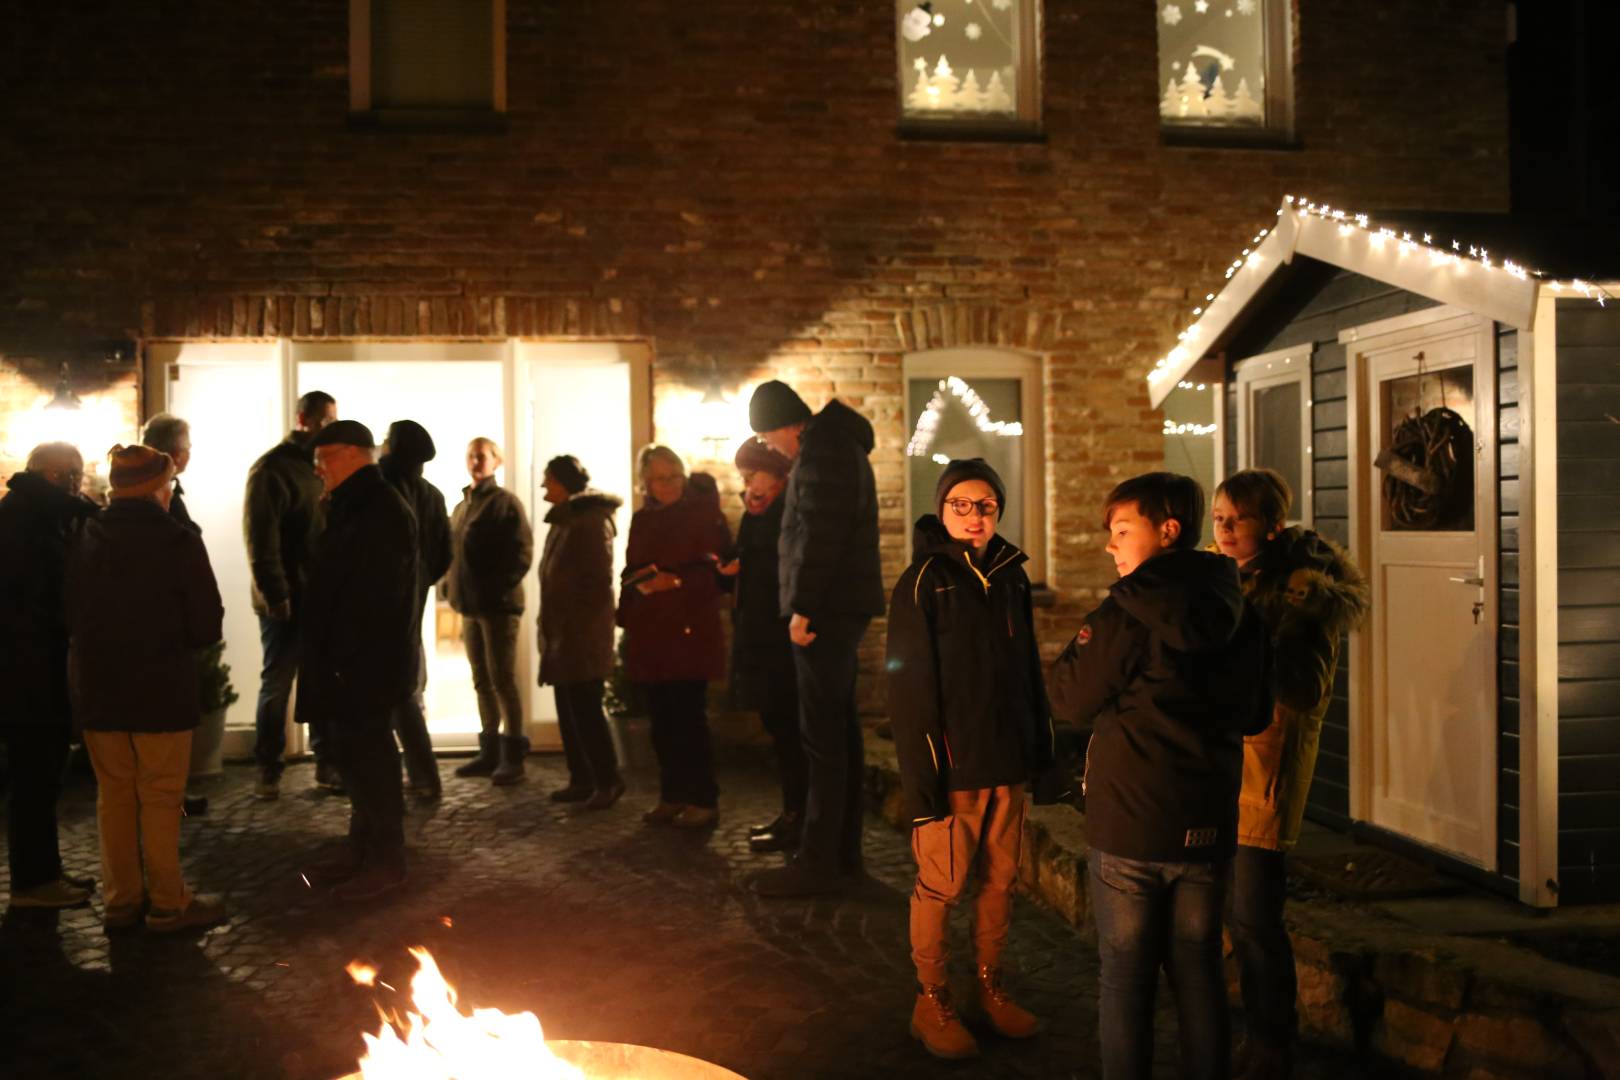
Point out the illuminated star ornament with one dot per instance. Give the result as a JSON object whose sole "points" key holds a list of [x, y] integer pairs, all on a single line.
{"points": [[1171, 14], [972, 31], [1201, 6]]}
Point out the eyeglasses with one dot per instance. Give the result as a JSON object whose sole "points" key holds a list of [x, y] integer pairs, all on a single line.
{"points": [[988, 508]]}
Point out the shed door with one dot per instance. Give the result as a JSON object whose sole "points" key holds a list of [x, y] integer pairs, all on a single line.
{"points": [[1433, 684]]}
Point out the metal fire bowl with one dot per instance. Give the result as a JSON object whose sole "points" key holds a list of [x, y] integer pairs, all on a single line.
{"points": [[626, 1061]]}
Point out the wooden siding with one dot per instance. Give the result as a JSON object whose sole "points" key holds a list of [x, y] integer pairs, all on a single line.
{"points": [[1588, 380], [1507, 645]]}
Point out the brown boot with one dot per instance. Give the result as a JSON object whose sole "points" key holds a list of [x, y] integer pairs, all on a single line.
{"points": [[935, 1023], [1010, 1019]]}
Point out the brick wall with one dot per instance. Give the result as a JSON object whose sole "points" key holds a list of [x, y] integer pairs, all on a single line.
{"points": [[723, 179]]}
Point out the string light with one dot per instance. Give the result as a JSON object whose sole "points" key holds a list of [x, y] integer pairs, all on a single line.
{"points": [[1173, 428], [922, 437], [1377, 236]]}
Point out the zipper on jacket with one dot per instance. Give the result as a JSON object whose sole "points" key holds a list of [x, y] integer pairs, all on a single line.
{"points": [[931, 752]]}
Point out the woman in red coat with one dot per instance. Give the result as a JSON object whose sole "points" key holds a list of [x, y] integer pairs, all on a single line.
{"points": [[669, 606]]}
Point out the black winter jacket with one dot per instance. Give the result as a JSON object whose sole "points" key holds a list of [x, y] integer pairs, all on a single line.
{"points": [[1171, 671], [281, 517], [491, 549], [761, 651], [38, 523], [141, 600], [178, 511], [828, 549], [966, 698], [357, 656], [432, 522]]}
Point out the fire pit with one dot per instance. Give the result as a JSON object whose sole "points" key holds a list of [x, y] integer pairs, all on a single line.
{"points": [[437, 1040]]}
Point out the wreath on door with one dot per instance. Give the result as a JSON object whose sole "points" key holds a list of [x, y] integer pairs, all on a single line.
{"points": [[1428, 470]]}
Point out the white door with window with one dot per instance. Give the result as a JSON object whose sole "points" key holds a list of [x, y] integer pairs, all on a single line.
{"points": [[1426, 526]]}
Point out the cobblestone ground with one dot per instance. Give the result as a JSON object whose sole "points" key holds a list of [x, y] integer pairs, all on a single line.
{"points": [[605, 928]]}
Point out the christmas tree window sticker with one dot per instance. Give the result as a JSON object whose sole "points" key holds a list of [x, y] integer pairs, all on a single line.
{"points": [[982, 34], [1213, 52]]}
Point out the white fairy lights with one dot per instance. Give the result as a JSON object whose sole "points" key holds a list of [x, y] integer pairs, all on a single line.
{"points": [[1378, 237], [922, 437], [1173, 428]]}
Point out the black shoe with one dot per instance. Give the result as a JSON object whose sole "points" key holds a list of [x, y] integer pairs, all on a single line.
{"points": [[604, 798], [327, 778], [427, 793], [783, 837], [774, 825], [795, 879], [574, 792], [194, 805], [376, 879]]}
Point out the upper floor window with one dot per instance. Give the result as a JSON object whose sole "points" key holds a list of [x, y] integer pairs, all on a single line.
{"points": [[1224, 66], [427, 60], [969, 63]]}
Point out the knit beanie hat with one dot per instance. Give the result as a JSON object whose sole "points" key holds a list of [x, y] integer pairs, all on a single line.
{"points": [[774, 405], [754, 456], [138, 471], [410, 442], [567, 471], [344, 433], [961, 469]]}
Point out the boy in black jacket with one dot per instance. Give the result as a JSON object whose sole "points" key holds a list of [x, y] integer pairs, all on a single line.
{"points": [[971, 727], [1170, 671]]}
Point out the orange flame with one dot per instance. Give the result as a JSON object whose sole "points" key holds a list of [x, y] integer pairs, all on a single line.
{"points": [[364, 974]]}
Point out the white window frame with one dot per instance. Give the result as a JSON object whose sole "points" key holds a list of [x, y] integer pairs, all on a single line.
{"points": [[1028, 120], [994, 363], [1279, 97], [1263, 372], [360, 102]]}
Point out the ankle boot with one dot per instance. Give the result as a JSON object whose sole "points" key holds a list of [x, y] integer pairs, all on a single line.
{"points": [[934, 1022], [1010, 1019], [514, 748], [781, 835], [489, 756]]}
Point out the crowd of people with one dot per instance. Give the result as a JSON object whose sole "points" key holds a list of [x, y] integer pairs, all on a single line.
{"points": [[1203, 678]]}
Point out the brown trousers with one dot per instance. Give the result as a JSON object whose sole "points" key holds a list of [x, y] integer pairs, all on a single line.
{"points": [[140, 779], [988, 823]]}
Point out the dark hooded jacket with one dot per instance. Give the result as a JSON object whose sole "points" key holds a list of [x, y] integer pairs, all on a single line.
{"points": [[761, 651], [1309, 594], [1170, 671], [966, 698], [402, 468], [676, 635], [828, 549], [491, 550], [141, 600], [357, 657], [576, 589], [38, 524], [281, 517]]}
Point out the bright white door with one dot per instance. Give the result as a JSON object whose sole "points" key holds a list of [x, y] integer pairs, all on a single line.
{"points": [[1433, 657], [230, 394]]}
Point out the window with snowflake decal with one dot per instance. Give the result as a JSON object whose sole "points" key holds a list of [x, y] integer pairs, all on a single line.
{"points": [[968, 63], [1223, 64]]}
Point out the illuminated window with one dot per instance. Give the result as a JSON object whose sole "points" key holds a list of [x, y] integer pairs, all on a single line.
{"points": [[427, 61], [986, 403], [969, 63], [1224, 66], [1274, 421]]}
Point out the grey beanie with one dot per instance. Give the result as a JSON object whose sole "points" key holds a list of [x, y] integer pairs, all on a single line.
{"points": [[774, 405], [961, 469]]}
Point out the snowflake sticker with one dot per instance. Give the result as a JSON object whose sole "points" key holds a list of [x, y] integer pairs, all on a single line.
{"points": [[1201, 6], [1001, 5], [920, 64], [1171, 14], [972, 30], [1246, 6]]}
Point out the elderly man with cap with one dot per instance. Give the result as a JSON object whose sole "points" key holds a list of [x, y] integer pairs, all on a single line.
{"points": [[831, 587], [762, 675], [41, 515], [406, 449], [358, 660], [140, 600]]}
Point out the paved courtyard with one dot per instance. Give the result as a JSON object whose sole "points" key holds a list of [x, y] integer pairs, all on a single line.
{"points": [[605, 928]]}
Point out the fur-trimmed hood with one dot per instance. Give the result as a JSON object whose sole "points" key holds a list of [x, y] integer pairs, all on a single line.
{"points": [[1304, 574]]}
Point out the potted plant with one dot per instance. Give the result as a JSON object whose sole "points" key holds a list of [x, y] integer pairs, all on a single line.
{"points": [[216, 695]]}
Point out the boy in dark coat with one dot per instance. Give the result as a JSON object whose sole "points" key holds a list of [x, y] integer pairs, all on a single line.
{"points": [[971, 728], [1171, 671]]}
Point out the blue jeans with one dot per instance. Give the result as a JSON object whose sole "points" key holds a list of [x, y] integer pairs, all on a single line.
{"points": [[1265, 955], [279, 640], [1152, 915]]}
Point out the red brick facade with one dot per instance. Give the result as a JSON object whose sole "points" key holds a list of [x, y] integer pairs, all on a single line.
{"points": [[722, 179]]}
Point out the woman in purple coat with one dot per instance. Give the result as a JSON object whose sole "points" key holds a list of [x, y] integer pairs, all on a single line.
{"points": [[669, 606]]}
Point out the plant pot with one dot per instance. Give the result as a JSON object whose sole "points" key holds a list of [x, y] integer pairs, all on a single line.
{"points": [[633, 737], [208, 745]]}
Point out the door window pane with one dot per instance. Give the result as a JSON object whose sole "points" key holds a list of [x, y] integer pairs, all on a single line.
{"points": [[961, 59], [952, 418], [1274, 424], [1213, 62], [437, 54], [1426, 451]]}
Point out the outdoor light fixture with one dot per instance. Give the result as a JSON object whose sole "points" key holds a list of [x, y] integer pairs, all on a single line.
{"points": [[64, 398]]}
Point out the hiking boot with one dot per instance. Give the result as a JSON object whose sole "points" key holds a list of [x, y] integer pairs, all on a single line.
{"points": [[327, 777], [696, 817], [663, 813], [934, 1022], [1011, 1020], [118, 919], [489, 756], [602, 798], [376, 879], [780, 835], [574, 792], [52, 894], [268, 786], [202, 911], [514, 748]]}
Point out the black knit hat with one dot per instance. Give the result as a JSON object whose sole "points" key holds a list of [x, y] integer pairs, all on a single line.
{"points": [[410, 442], [774, 405], [567, 471], [962, 469], [344, 433]]}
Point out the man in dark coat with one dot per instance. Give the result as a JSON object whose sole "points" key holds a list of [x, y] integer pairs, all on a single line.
{"points": [[358, 660], [831, 587], [281, 517], [39, 518], [172, 435], [406, 449]]}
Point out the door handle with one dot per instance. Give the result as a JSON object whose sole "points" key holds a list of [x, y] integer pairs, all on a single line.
{"points": [[1475, 581]]}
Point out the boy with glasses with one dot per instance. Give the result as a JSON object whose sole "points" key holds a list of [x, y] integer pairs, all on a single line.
{"points": [[971, 728]]}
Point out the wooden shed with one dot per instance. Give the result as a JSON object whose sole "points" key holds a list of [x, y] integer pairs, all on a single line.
{"points": [[1451, 415]]}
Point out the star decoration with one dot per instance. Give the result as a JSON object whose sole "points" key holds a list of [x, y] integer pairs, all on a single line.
{"points": [[972, 31], [1201, 6], [920, 64], [1171, 14]]}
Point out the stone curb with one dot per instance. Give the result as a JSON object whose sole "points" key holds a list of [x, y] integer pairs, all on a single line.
{"points": [[1370, 985]]}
